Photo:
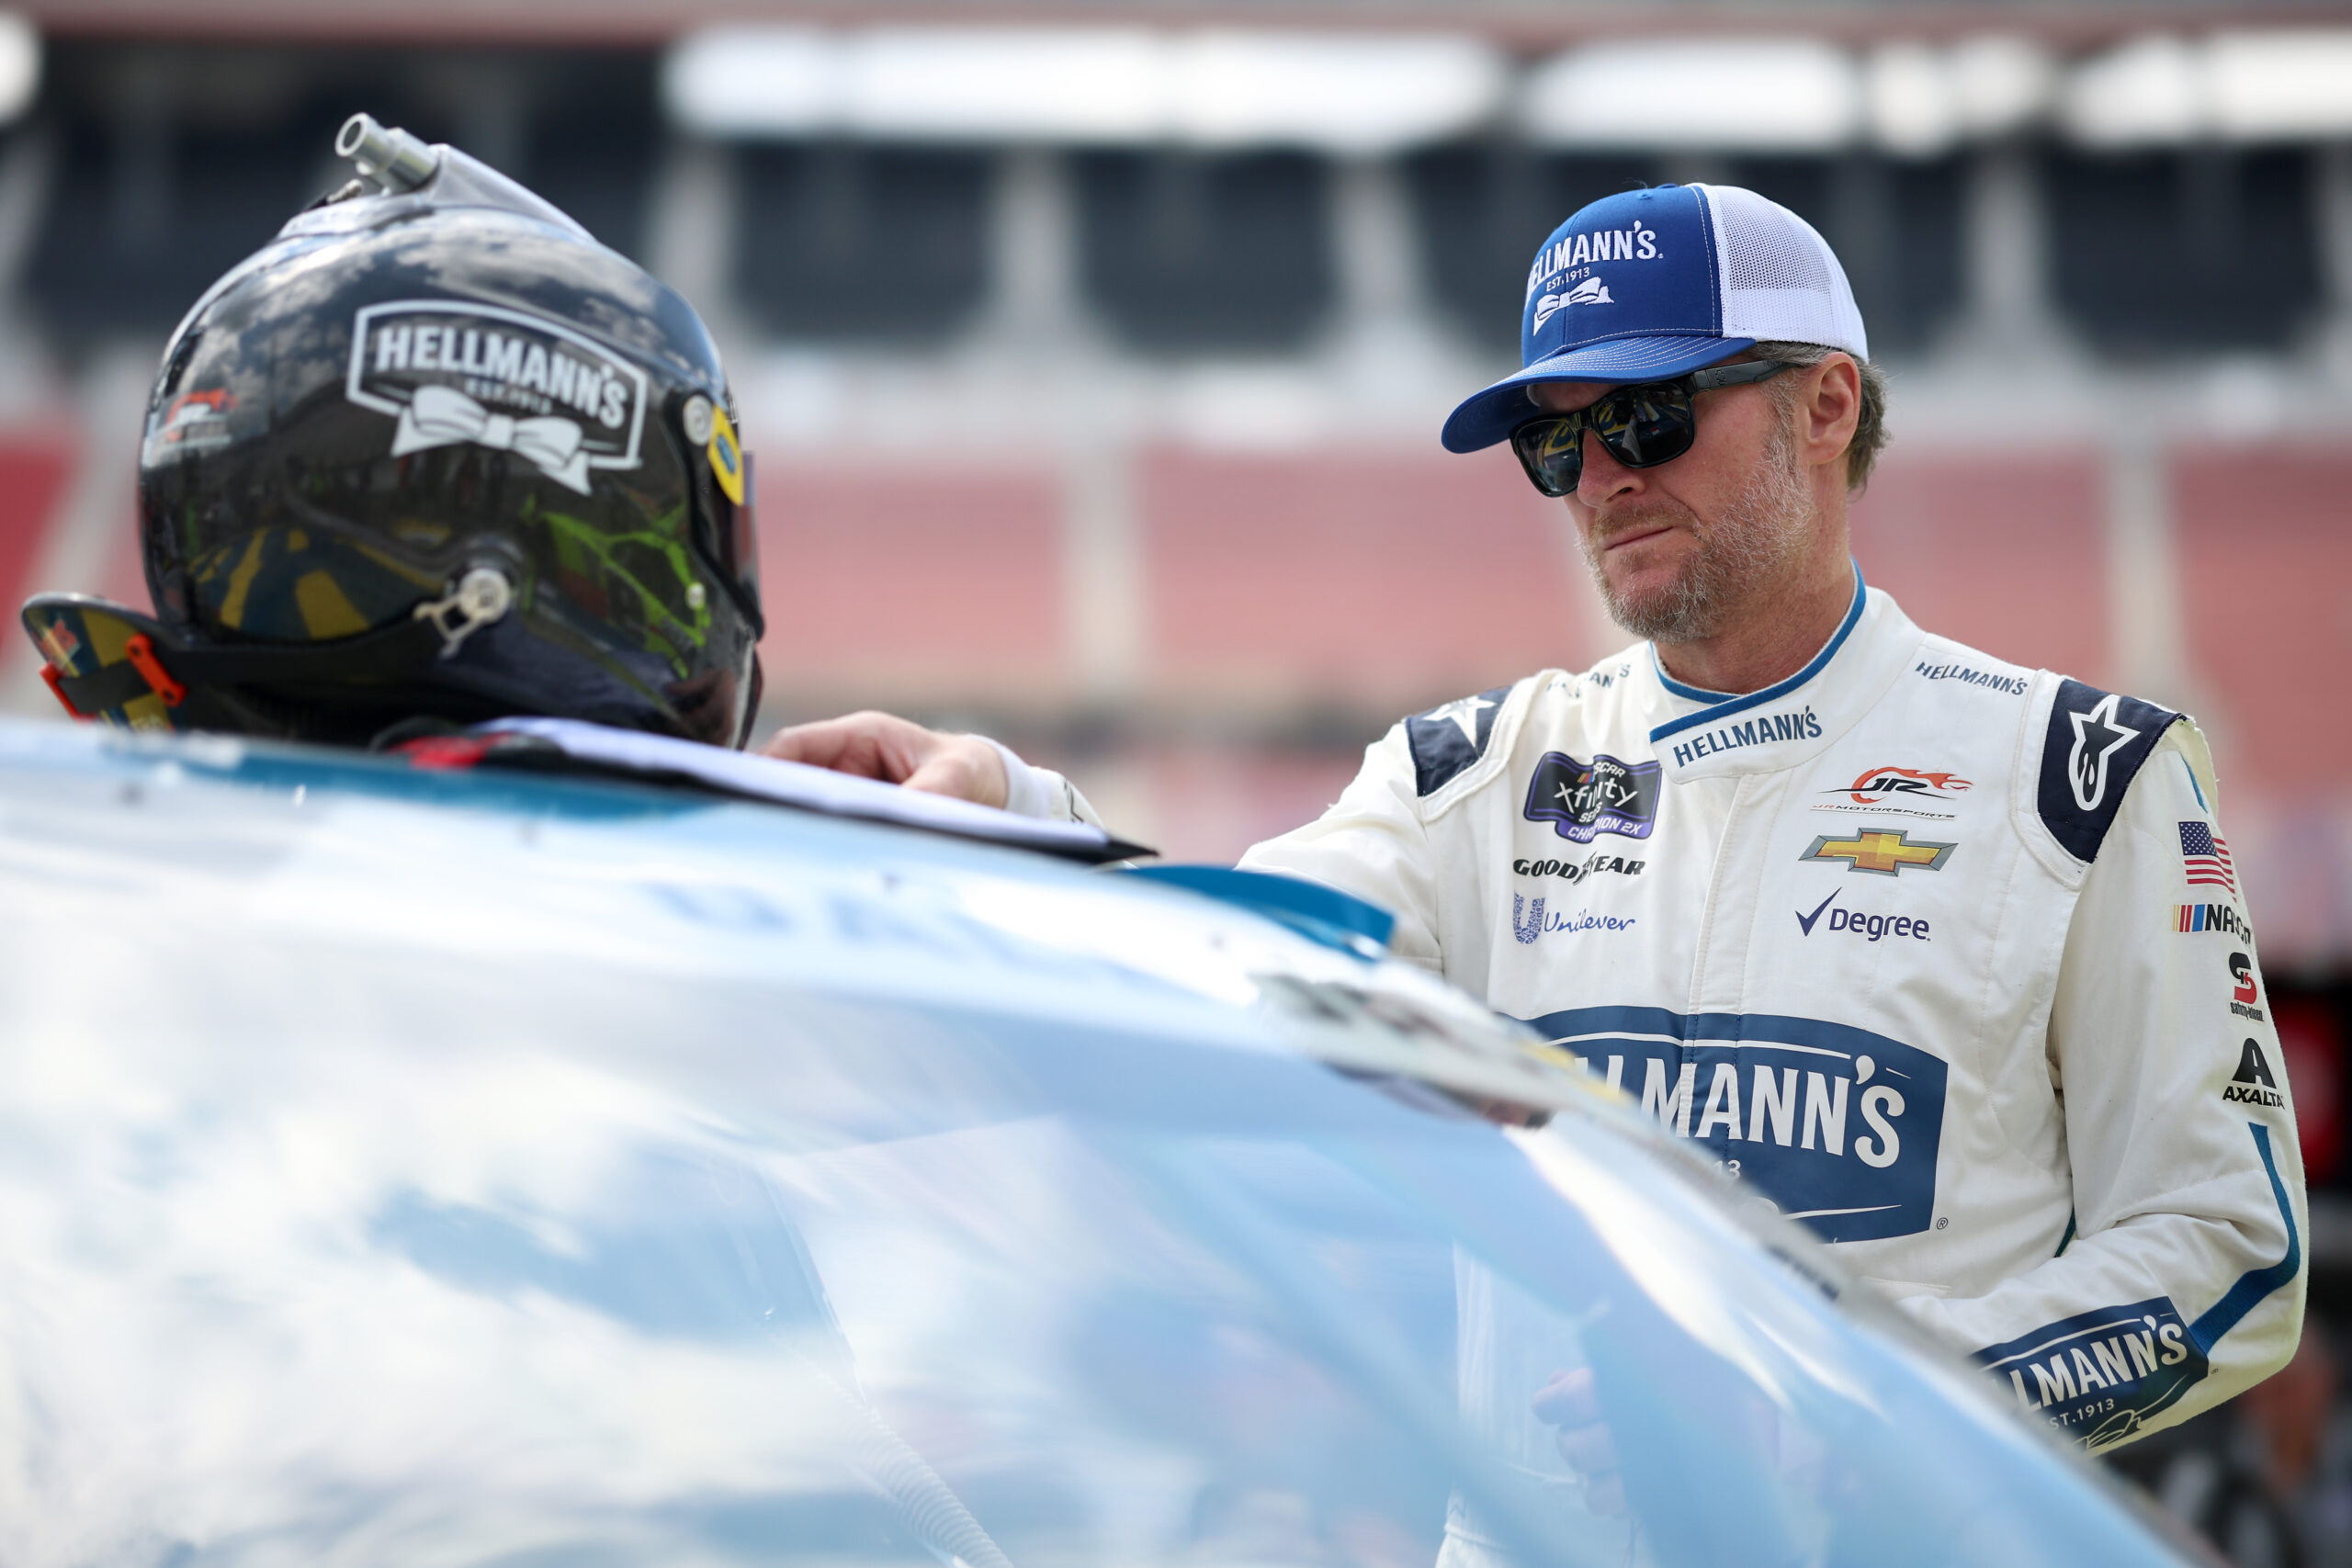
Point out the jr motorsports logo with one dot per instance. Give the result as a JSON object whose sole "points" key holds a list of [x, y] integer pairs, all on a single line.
{"points": [[453, 373], [1899, 791]]}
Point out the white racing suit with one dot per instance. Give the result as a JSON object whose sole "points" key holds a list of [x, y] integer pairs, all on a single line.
{"points": [[1943, 955]]}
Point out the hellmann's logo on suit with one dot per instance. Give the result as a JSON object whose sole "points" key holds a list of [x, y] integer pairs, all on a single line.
{"points": [[1760, 732], [1838, 1127], [2099, 1374]]}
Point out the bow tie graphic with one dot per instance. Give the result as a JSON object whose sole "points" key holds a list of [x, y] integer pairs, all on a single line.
{"points": [[442, 416]]}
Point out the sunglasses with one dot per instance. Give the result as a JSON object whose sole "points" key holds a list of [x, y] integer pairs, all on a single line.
{"points": [[1641, 426]]}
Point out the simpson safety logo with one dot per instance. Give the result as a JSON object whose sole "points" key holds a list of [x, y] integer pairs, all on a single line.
{"points": [[2246, 990], [453, 374], [2100, 1374], [1838, 1127]]}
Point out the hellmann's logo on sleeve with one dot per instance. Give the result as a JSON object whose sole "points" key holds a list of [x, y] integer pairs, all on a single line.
{"points": [[2100, 1374]]}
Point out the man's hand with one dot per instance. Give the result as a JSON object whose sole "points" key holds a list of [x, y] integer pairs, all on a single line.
{"points": [[896, 751], [1570, 1402]]}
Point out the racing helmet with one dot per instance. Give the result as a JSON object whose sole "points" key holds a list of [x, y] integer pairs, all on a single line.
{"points": [[432, 453]]}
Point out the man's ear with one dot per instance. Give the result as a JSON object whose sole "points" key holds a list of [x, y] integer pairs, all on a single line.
{"points": [[1828, 408]]}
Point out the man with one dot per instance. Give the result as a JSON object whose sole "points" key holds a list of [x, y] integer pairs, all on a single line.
{"points": [[1942, 955]]}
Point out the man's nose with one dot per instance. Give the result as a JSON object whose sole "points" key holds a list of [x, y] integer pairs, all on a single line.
{"points": [[1605, 479]]}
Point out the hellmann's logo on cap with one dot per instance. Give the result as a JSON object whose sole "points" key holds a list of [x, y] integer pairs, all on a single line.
{"points": [[453, 373], [1631, 244], [1591, 292]]}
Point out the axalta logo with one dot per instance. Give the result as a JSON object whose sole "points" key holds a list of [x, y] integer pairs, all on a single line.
{"points": [[1591, 292], [1572, 250], [2248, 990], [1576, 871], [2251, 1083], [2188, 919], [1869, 928], [1838, 1127], [2101, 1373]]}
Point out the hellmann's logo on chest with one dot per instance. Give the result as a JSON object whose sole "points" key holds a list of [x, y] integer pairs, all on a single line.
{"points": [[1764, 729], [1838, 1127]]}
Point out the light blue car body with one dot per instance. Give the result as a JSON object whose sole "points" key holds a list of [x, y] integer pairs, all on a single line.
{"points": [[452, 1168]]}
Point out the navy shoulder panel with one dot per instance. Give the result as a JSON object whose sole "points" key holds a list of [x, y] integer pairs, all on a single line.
{"points": [[2094, 747], [1448, 738]]}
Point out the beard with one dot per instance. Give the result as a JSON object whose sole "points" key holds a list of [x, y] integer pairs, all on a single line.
{"points": [[1755, 541]]}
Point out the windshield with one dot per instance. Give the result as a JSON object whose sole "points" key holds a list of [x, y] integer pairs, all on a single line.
{"points": [[359, 1229]]}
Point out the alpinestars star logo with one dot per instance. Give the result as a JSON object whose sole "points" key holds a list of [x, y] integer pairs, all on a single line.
{"points": [[1591, 292], [2251, 1083], [2097, 737], [1462, 713]]}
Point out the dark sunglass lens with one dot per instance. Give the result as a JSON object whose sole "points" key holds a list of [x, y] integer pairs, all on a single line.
{"points": [[1657, 428], [1551, 451]]}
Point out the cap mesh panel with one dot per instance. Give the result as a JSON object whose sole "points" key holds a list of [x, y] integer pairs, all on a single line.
{"points": [[1762, 249]]}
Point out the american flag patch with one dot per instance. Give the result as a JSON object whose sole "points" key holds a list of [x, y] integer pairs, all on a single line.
{"points": [[2205, 855]]}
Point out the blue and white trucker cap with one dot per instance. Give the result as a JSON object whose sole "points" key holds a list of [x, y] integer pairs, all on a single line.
{"points": [[1652, 284]]}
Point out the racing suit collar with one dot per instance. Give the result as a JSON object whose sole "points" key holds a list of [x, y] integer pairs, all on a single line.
{"points": [[1711, 734]]}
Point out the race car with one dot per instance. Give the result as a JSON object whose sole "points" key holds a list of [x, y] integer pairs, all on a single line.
{"points": [[456, 1157]]}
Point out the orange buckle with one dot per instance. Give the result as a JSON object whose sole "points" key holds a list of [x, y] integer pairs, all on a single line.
{"points": [[57, 688], [142, 654]]}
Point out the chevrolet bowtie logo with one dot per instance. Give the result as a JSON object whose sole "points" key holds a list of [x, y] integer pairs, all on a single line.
{"points": [[1886, 851]]}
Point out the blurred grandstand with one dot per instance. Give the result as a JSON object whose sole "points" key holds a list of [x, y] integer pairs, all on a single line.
{"points": [[1094, 354]]}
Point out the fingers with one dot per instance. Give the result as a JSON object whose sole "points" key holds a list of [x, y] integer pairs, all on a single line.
{"points": [[965, 767], [1571, 1402], [871, 745], [1569, 1399], [896, 751]]}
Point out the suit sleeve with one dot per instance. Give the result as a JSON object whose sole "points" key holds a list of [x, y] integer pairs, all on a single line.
{"points": [[2185, 1268], [1031, 791], [1372, 843]]}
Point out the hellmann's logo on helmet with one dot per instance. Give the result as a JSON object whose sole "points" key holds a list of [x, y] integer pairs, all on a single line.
{"points": [[451, 372]]}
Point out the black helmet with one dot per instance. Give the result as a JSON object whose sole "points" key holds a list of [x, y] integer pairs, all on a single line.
{"points": [[432, 453]]}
